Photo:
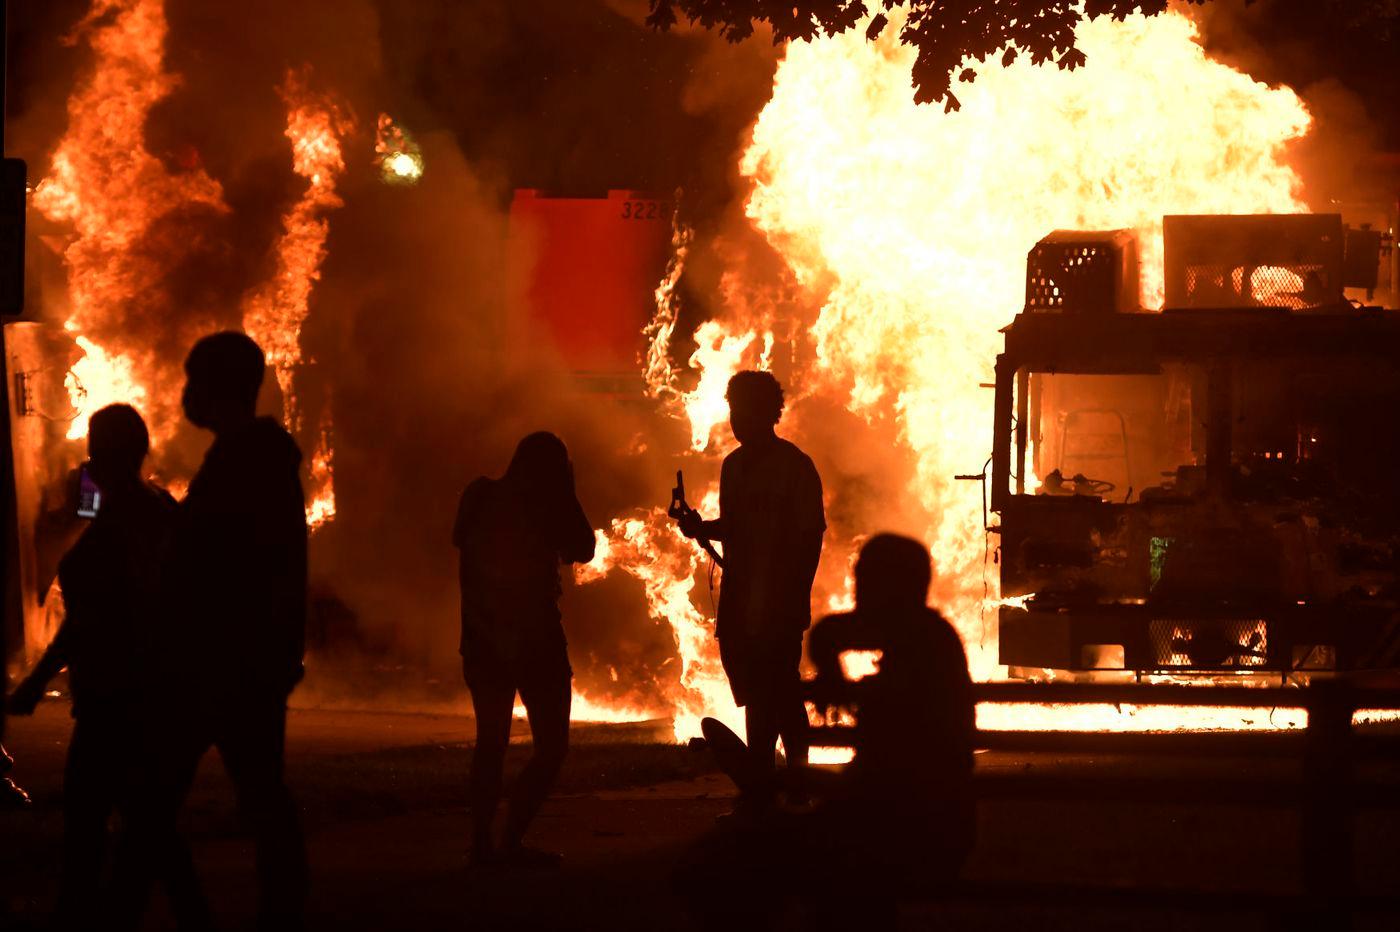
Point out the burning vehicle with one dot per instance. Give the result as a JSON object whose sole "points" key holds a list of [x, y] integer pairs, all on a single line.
{"points": [[1209, 489]]}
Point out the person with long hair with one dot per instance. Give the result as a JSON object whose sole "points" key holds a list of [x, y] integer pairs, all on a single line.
{"points": [[513, 533]]}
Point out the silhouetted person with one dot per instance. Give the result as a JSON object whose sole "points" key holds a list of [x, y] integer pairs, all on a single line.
{"points": [[771, 523], [234, 589], [900, 815], [109, 581], [513, 534], [907, 792]]}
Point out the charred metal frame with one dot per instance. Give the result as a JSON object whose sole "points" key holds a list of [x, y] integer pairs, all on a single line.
{"points": [[1134, 344]]}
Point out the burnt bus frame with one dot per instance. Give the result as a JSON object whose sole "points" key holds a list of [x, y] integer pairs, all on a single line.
{"points": [[1138, 344]]}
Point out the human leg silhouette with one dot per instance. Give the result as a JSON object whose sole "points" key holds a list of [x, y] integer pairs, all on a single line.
{"points": [[92, 782], [251, 742], [548, 698], [493, 699], [149, 844], [793, 726]]}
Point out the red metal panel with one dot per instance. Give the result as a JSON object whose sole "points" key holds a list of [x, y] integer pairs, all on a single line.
{"points": [[588, 271]]}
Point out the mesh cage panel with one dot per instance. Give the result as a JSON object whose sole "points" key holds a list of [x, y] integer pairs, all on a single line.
{"points": [[1072, 276], [1209, 644], [1294, 287]]}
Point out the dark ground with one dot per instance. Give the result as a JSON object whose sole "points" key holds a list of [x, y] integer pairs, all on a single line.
{"points": [[382, 801]]}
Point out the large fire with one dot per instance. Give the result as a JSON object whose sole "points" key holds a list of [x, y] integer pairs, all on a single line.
{"points": [[909, 228], [905, 228], [113, 192], [273, 314], [922, 219]]}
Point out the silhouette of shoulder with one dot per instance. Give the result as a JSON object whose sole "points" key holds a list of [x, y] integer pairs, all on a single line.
{"points": [[268, 443], [242, 463], [779, 468], [780, 450]]}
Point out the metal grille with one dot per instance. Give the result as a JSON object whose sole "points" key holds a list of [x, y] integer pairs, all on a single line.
{"points": [[1073, 276], [1209, 644], [1287, 261], [1294, 287]]}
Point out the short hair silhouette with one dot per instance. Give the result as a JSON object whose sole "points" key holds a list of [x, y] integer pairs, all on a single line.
{"points": [[893, 569], [118, 437], [540, 459], [757, 390], [230, 365]]}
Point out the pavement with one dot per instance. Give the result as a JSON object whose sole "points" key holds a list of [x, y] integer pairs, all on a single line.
{"points": [[382, 797]]}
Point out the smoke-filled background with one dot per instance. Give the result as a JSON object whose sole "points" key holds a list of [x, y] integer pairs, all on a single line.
{"points": [[410, 340]]}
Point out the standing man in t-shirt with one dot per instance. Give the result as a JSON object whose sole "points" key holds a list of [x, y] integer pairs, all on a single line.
{"points": [[770, 523]]}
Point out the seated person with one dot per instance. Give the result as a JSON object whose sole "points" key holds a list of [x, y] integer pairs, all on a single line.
{"points": [[901, 813], [914, 717]]}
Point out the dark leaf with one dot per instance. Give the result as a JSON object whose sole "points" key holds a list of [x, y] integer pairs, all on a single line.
{"points": [[946, 33]]}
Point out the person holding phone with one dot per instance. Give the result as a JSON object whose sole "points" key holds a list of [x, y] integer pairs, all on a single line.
{"points": [[109, 581], [513, 533]]}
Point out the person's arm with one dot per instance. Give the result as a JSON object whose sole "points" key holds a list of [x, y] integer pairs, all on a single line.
{"points": [[576, 539], [823, 651], [809, 526], [573, 534], [464, 530], [695, 527], [278, 506], [30, 691], [294, 592]]}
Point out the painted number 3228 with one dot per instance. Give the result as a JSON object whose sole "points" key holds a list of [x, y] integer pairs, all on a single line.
{"points": [[641, 210]]}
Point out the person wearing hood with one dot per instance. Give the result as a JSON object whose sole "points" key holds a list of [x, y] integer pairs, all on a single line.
{"points": [[234, 593]]}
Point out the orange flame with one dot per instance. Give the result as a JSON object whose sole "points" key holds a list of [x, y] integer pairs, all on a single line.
{"points": [[320, 509], [909, 227], [651, 549], [112, 190], [921, 220], [273, 315]]}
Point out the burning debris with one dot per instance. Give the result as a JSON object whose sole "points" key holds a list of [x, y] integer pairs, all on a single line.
{"points": [[399, 159]]}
